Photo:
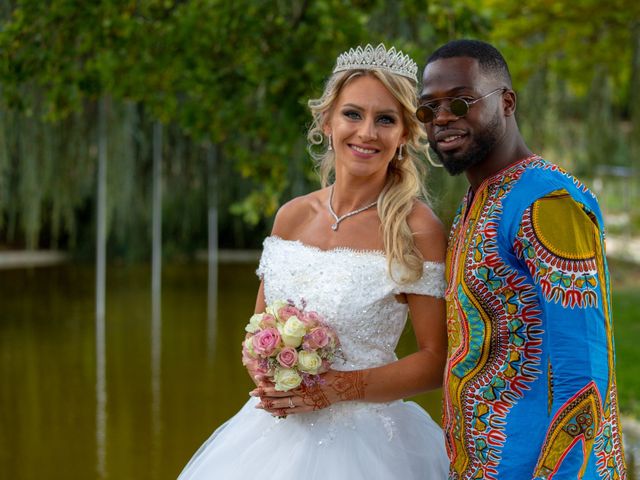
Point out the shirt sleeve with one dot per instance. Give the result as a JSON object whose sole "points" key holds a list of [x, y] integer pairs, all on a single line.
{"points": [[560, 243], [430, 283]]}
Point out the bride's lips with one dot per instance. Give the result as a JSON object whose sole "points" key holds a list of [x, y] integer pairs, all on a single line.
{"points": [[450, 139], [363, 151]]}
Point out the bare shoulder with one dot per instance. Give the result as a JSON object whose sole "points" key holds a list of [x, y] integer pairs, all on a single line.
{"points": [[428, 232], [296, 213]]}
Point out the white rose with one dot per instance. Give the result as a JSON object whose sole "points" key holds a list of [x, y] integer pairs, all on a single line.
{"points": [[254, 323], [294, 327], [290, 341], [292, 332], [309, 362], [286, 379], [275, 307]]}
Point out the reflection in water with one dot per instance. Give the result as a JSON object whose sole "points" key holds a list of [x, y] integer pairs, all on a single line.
{"points": [[212, 251], [100, 340], [69, 420], [101, 399], [212, 284], [156, 298], [156, 382]]}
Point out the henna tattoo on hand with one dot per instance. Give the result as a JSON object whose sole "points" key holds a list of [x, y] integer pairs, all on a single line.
{"points": [[315, 398], [345, 385], [349, 385]]}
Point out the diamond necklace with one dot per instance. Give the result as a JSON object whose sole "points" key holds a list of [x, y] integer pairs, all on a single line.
{"points": [[338, 219]]}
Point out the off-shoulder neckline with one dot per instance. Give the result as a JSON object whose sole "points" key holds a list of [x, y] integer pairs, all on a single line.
{"points": [[362, 252], [339, 249]]}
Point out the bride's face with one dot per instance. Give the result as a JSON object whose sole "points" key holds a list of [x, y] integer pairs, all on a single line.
{"points": [[366, 127]]}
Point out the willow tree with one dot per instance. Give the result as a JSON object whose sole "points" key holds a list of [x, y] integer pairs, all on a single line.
{"points": [[589, 53], [236, 75]]}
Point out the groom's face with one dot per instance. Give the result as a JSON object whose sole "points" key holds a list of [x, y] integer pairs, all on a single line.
{"points": [[461, 141]]}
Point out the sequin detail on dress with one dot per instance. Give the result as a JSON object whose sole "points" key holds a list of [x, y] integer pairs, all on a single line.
{"points": [[351, 289]]}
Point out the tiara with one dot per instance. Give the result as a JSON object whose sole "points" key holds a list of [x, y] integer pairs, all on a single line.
{"points": [[370, 58]]}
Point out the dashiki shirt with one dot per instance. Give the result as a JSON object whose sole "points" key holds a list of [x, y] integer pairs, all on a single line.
{"points": [[530, 387]]}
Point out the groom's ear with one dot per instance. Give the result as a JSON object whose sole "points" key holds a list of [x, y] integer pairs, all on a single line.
{"points": [[509, 103]]}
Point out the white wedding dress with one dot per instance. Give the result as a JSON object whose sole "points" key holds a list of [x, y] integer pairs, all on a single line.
{"points": [[348, 440]]}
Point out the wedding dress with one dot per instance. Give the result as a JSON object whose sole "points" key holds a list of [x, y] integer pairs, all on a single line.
{"points": [[349, 440]]}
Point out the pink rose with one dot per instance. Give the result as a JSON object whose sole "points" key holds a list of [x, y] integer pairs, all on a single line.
{"points": [[317, 338], [288, 311], [287, 357], [266, 341], [310, 319], [268, 321]]}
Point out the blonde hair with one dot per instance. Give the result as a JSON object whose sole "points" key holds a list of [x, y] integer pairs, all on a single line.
{"points": [[405, 178]]}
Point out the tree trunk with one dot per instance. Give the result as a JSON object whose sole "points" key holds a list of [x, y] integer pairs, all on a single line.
{"points": [[634, 97]]}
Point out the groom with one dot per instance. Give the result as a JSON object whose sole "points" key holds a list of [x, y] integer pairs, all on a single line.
{"points": [[530, 388]]}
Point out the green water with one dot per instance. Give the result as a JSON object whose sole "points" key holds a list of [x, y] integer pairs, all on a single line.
{"points": [[158, 410]]}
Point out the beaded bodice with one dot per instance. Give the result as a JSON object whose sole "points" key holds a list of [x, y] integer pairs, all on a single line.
{"points": [[351, 289]]}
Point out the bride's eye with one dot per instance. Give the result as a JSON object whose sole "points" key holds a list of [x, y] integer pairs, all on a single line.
{"points": [[387, 119], [352, 114]]}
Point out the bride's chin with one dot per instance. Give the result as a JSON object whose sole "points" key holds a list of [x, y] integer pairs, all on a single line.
{"points": [[362, 169]]}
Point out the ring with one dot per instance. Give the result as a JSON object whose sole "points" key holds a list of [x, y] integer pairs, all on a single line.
{"points": [[291, 405]]}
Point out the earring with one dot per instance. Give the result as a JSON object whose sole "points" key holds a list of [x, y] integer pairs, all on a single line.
{"points": [[330, 147], [431, 160], [400, 156]]}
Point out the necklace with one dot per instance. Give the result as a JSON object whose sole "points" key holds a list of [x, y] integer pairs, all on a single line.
{"points": [[338, 219]]}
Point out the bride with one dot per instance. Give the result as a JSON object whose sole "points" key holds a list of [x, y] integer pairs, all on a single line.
{"points": [[363, 251]]}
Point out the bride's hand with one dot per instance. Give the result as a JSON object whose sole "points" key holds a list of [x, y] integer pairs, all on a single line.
{"points": [[334, 386]]}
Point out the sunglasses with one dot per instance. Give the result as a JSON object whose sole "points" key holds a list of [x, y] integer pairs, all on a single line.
{"points": [[459, 106]]}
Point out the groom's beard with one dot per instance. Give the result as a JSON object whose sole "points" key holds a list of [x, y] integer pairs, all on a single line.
{"points": [[483, 143]]}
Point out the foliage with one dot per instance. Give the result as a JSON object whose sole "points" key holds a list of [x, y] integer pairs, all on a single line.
{"points": [[579, 60], [238, 74], [575, 39]]}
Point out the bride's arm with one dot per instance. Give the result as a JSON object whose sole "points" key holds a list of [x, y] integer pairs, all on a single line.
{"points": [[421, 370], [261, 305], [415, 373], [424, 369]]}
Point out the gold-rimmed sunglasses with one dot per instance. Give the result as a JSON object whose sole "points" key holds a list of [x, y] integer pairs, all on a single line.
{"points": [[459, 106]]}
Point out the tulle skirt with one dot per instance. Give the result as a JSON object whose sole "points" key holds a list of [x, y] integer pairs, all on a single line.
{"points": [[348, 441]]}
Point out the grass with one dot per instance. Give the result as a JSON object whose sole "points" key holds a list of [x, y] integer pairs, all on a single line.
{"points": [[625, 282]]}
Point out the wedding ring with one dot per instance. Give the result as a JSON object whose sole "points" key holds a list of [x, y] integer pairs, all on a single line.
{"points": [[291, 405]]}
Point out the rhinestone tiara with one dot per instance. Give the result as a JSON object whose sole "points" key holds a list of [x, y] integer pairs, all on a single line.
{"points": [[368, 58]]}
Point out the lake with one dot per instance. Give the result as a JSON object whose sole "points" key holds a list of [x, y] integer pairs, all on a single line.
{"points": [[141, 413]]}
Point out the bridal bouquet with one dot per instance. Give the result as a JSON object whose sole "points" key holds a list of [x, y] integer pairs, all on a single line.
{"points": [[290, 345]]}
